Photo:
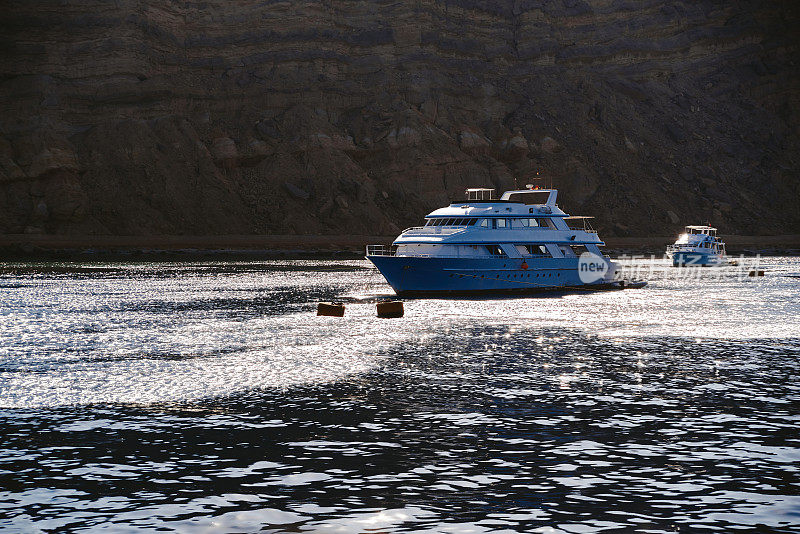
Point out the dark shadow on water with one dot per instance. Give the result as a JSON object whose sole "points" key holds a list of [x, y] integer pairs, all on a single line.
{"points": [[276, 300], [576, 428]]}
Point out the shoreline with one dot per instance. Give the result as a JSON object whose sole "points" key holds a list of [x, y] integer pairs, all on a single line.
{"points": [[31, 247]]}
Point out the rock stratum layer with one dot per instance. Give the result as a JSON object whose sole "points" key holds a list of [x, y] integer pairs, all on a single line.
{"points": [[146, 117]]}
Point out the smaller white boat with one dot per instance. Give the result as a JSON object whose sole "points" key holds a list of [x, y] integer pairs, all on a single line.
{"points": [[698, 245]]}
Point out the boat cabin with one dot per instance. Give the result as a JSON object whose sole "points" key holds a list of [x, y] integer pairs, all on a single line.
{"points": [[705, 230], [530, 196], [480, 193]]}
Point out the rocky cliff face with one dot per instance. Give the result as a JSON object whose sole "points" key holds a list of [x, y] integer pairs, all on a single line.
{"points": [[344, 116]]}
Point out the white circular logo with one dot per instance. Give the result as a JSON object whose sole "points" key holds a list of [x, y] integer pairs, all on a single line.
{"points": [[591, 267]]}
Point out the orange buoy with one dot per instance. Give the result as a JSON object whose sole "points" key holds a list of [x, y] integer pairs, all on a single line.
{"points": [[524, 266], [390, 309], [330, 309]]}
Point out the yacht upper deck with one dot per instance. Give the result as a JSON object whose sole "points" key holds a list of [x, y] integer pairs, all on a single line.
{"points": [[698, 233], [517, 215], [706, 230], [481, 203]]}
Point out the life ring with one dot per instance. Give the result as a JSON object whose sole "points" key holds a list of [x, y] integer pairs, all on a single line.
{"points": [[524, 266]]}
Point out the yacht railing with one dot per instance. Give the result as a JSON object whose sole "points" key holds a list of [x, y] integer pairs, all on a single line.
{"points": [[381, 250], [389, 250], [438, 230], [448, 256], [689, 247], [671, 249], [585, 227]]}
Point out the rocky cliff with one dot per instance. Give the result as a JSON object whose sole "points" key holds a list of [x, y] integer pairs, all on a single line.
{"points": [[141, 117]]}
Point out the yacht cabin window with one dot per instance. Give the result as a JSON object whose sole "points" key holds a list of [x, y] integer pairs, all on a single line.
{"points": [[578, 249], [491, 223], [495, 250], [534, 223], [442, 221], [536, 250]]}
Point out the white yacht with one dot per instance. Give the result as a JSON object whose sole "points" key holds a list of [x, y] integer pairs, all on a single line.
{"points": [[520, 242], [698, 245]]}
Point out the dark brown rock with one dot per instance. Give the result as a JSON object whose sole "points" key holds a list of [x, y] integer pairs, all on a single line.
{"points": [[224, 152], [550, 145], [473, 142], [162, 117], [9, 170]]}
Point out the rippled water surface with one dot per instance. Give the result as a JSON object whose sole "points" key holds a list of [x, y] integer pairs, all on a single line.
{"points": [[211, 398]]}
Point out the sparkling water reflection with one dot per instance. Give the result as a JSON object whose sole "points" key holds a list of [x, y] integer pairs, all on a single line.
{"points": [[210, 398]]}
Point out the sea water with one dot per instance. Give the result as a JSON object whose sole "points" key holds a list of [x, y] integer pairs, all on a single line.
{"points": [[209, 397]]}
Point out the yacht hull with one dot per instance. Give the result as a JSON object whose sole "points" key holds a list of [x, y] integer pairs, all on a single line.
{"points": [[414, 276], [689, 259]]}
